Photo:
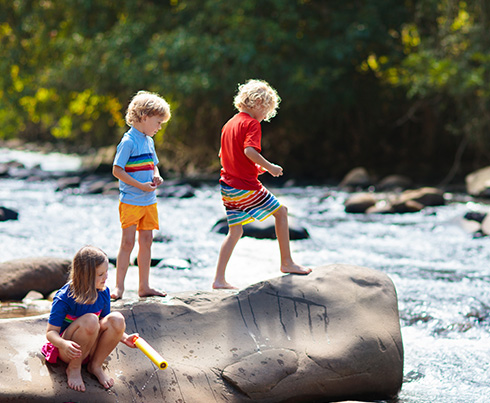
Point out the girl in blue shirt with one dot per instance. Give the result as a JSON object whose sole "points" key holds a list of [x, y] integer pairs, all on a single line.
{"points": [[81, 328]]}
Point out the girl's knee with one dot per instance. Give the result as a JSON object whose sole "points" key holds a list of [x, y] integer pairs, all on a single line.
{"points": [[116, 321], [89, 323]]}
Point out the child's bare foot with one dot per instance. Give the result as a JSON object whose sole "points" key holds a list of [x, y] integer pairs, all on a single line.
{"points": [[105, 380], [117, 293], [75, 380], [150, 292], [223, 285], [294, 268]]}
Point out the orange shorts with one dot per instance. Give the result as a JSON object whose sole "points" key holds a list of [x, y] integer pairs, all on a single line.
{"points": [[144, 217]]}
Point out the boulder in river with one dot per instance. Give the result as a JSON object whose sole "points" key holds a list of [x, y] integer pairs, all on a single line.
{"points": [[426, 196], [8, 214], [409, 201], [394, 182], [478, 183], [331, 335], [264, 229], [42, 274], [359, 203], [357, 178]]}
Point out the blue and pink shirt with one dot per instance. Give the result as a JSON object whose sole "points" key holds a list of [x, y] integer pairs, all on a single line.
{"points": [[136, 155], [65, 310]]}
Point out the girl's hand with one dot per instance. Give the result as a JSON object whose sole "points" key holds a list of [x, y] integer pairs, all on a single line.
{"points": [[127, 339], [71, 349]]}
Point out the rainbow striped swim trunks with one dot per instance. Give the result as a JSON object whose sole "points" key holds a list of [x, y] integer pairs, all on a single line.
{"points": [[244, 206]]}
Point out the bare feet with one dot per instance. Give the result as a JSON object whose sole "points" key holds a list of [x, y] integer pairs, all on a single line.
{"points": [[150, 292], [75, 380], [105, 380], [294, 268], [117, 293], [223, 285]]}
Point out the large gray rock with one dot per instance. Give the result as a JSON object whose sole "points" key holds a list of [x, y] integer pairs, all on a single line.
{"points": [[43, 274], [331, 335]]}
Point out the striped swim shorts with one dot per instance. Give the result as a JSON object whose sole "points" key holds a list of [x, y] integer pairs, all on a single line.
{"points": [[244, 206]]}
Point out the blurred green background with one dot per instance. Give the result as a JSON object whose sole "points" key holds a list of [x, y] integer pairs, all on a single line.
{"points": [[395, 86]]}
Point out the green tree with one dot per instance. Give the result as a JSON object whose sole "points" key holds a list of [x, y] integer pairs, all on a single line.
{"points": [[446, 75], [370, 82]]}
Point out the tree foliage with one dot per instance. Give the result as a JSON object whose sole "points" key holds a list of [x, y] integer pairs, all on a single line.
{"points": [[378, 83]]}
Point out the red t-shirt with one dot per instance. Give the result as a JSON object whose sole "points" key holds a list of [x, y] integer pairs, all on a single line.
{"points": [[238, 171]]}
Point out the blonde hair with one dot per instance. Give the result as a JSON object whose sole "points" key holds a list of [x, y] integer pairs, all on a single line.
{"points": [[149, 104], [257, 94], [83, 274]]}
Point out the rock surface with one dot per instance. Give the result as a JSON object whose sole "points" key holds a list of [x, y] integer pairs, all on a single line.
{"points": [[42, 274], [328, 336]]}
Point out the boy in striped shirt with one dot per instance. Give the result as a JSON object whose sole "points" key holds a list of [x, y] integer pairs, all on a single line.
{"points": [[135, 165], [244, 197]]}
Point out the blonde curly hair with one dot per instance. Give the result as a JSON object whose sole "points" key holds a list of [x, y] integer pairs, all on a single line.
{"points": [[149, 104], [257, 94]]}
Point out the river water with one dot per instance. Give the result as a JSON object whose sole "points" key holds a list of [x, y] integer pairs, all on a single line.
{"points": [[441, 272]]}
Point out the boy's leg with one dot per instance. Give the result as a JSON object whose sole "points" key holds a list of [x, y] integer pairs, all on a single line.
{"points": [[112, 328], [122, 264], [235, 232], [145, 239], [84, 332], [282, 233]]}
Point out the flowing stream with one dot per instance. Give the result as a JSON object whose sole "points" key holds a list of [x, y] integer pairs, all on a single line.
{"points": [[441, 273]]}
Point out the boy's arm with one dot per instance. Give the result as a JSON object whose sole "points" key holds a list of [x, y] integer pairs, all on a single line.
{"points": [[122, 175], [255, 156], [157, 179]]}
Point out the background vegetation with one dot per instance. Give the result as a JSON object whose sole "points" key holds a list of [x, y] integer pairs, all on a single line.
{"points": [[396, 86]]}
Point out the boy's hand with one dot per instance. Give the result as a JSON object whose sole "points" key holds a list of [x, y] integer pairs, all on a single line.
{"points": [[275, 170], [157, 180], [148, 187]]}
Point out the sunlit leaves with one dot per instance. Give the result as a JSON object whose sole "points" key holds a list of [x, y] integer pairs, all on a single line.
{"points": [[341, 67]]}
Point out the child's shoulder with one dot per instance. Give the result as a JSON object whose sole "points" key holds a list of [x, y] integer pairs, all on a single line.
{"points": [[243, 119], [63, 290], [63, 294], [127, 137]]}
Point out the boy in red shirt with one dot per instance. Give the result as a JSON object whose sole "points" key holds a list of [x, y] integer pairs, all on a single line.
{"points": [[244, 196]]}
